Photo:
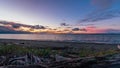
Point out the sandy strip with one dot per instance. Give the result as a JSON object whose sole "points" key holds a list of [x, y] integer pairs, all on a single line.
{"points": [[36, 43]]}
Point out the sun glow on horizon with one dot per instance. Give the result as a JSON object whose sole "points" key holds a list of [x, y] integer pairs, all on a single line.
{"points": [[59, 30]]}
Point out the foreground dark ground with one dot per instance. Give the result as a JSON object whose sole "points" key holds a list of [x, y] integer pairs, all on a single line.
{"points": [[56, 54]]}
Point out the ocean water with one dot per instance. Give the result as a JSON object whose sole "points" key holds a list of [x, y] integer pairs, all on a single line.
{"points": [[90, 38]]}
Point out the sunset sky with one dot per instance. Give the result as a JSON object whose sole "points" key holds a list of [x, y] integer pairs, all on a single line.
{"points": [[61, 16]]}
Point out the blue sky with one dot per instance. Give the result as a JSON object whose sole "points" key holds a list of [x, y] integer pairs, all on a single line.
{"points": [[78, 13]]}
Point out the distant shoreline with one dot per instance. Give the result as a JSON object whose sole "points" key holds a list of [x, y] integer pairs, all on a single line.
{"points": [[69, 33], [65, 41]]}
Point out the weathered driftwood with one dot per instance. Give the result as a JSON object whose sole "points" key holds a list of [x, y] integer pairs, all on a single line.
{"points": [[24, 60], [23, 66], [31, 61]]}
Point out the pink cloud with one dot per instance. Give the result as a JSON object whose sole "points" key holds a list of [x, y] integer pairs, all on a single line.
{"points": [[93, 29]]}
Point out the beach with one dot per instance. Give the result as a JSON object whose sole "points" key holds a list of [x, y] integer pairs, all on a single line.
{"points": [[58, 44], [56, 54]]}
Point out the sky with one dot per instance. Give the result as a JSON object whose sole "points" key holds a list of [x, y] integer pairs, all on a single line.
{"points": [[62, 16]]}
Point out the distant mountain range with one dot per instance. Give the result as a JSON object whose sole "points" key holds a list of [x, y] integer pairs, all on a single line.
{"points": [[5, 30]]}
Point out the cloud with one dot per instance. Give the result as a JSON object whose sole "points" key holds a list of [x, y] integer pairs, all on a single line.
{"points": [[6, 30], [38, 27], [78, 29], [13, 26], [18, 25], [102, 11], [101, 16], [64, 24], [102, 4], [93, 29], [83, 29], [75, 29]]}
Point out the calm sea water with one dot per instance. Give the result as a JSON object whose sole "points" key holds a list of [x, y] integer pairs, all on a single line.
{"points": [[95, 38]]}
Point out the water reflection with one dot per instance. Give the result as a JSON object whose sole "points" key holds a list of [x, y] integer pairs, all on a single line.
{"points": [[54, 37]]}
